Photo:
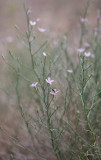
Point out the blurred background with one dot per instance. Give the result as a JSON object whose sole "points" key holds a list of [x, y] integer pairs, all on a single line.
{"points": [[59, 16]]}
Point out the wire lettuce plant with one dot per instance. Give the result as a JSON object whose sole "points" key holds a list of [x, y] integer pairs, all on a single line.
{"points": [[63, 108]]}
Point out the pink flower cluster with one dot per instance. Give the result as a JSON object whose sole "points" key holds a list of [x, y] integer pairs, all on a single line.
{"points": [[49, 81]]}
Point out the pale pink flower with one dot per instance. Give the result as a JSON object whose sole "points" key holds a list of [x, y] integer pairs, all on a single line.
{"points": [[44, 54], [32, 23], [83, 20], [49, 81], [29, 11], [34, 84], [87, 45], [54, 92], [87, 54], [41, 29], [70, 70], [38, 19], [81, 50]]}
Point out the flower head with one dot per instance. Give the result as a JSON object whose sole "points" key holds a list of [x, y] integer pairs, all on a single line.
{"points": [[54, 92], [87, 54], [49, 80], [29, 12], [70, 70], [32, 23], [44, 54], [87, 45], [81, 50], [83, 20], [41, 29], [38, 19], [34, 84]]}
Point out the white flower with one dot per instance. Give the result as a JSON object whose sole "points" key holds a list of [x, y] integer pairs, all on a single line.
{"points": [[44, 54], [83, 20], [54, 92], [70, 70], [32, 23], [87, 54], [34, 84], [41, 29], [49, 81], [81, 50]]}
